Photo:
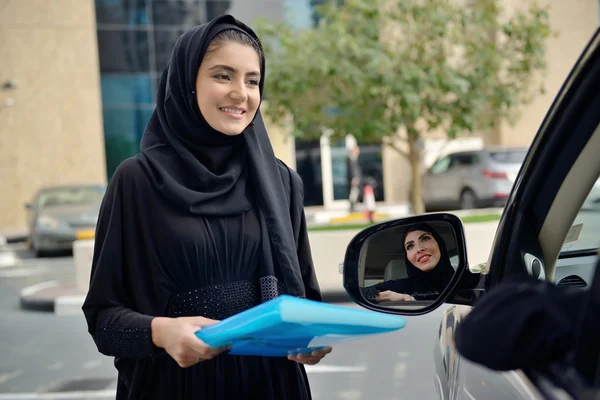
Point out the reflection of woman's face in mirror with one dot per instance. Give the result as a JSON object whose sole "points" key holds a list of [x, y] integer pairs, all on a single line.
{"points": [[422, 250]]}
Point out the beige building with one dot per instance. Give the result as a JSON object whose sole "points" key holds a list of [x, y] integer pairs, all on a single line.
{"points": [[50, 107], [51, 128], [574, 22]]}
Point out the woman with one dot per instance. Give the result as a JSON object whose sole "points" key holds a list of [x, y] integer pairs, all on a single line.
{"points": [[427, 266], [203, 224]]}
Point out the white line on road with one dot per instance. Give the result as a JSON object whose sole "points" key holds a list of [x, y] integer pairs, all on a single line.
{"points": [[28, 291], [316, 369], [99, 394], [92, 364], [7, 377]]}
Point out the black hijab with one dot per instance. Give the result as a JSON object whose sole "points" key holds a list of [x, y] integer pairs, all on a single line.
{"points": [[439, 277], [207, 173]]}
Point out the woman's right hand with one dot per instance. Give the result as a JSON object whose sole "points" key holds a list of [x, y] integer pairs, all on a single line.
{"points": [[177, 337], [389, 295]]}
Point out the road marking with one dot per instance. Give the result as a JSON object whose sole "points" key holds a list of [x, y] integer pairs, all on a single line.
{"points": [[99, 394], [92, 364], [7, 377], [30, 290], [316, 369], [55, 366], [22, 272]]}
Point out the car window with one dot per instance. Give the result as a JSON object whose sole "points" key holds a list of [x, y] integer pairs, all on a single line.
{"points": [[70, 196], [509, 157], [584, 235], [441, 166], [465, 160]]}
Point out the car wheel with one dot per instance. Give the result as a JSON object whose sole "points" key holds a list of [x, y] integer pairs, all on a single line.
{"points": [[468, 200]]}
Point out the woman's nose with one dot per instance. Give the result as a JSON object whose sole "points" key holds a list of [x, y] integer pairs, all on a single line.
{"points": [[238, 93]]}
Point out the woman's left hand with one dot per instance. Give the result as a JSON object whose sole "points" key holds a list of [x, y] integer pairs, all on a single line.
{"points": [[312, 358]]}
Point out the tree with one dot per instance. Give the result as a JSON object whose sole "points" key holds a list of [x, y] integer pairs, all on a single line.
{"points": [[394, 71]]}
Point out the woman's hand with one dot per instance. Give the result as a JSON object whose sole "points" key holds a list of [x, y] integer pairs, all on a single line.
{"points": [[312, 358], [177, 337], [388, 295]]}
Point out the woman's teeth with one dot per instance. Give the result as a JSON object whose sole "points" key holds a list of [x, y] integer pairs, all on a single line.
{"points": [[232, 111]]}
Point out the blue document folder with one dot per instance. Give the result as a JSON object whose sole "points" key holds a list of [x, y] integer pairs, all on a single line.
{"points": [[289, 324]]}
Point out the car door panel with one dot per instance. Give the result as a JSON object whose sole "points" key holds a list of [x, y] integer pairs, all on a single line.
{"points": [[458, 378]]}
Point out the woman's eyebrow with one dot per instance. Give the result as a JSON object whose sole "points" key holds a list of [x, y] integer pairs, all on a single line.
{"points": [[233, 70]]}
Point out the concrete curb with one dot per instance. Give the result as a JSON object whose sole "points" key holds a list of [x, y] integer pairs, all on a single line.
{"points": [[13, 238], [29, 299]]}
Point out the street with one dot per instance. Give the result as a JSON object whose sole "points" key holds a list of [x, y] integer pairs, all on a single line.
{"points": [[45, 353]]}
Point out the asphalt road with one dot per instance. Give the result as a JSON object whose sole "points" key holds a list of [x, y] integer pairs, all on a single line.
{"points": [[42, 352]]}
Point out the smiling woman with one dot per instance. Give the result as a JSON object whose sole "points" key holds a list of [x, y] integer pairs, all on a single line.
{"points": [[203, 224]]}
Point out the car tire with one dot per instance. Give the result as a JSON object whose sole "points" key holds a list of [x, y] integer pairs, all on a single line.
{"points": [[468, 200]]}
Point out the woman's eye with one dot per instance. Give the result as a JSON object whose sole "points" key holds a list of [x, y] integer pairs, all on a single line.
{"points": [[253, 82], [426, 238], [410, 246], [222, 77]]}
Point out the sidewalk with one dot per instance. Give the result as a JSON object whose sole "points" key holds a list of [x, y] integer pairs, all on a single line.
{"points": [[12, 236], [328, 250]]}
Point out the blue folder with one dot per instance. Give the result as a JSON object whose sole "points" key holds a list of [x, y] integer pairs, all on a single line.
{"points": [[287, 325]]}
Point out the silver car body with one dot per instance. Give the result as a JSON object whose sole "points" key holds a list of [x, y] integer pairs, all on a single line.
{"points": [[471, 179], [61, 214]]}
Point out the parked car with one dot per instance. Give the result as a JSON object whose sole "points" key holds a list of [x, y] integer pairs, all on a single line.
{"points": [[547, 231], [58, 215], [472, 179]]}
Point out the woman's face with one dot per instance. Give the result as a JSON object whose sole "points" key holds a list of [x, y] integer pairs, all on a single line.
{"points": [[227, 87], [422, 250]]}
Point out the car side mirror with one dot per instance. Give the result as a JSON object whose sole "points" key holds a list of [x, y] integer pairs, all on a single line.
{"points": [[408, 266]]}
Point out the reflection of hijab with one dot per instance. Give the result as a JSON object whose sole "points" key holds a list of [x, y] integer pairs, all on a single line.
{"points": [[205, 172], [438, 278]]}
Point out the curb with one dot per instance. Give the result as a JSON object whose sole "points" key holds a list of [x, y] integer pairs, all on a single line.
{"points": [[28, 300], [71, 305], [10, 239]]}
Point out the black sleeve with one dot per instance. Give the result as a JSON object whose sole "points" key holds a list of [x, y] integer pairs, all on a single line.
{"points": [[521, 324], [305, 260], [116, 329]]}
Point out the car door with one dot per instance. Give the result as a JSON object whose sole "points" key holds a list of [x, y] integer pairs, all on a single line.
{"points": [[436, 191], [545, 231]]}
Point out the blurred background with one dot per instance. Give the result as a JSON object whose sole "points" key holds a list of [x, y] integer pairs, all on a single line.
{"points": [[78, 81]]}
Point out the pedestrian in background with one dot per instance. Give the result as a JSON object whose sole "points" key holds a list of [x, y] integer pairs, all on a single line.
{"points": [[354, 176], [203, 224]]}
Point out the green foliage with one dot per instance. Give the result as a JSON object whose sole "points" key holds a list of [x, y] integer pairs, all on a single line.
{"points": [[452, 66], [418, 64]]}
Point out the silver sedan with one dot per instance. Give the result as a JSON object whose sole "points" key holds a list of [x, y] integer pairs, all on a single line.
{"points": [[59, 215]]}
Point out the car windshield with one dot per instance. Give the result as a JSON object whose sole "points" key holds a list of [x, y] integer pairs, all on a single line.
{"points": [[509, 157], [584, 235], [71, 196]]}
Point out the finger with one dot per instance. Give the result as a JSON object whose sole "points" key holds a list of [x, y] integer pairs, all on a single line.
{"points": [[196, 347], [321, 353], [202, 321]]}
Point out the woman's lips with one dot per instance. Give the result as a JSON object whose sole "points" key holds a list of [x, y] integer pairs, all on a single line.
{"points": [[424, 259]]}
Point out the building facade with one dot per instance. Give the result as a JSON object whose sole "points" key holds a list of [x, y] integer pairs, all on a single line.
{"points": [[50, 107], [78, 82]]}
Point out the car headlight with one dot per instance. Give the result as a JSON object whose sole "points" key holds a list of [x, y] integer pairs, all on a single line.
{"points": [[45, 221]]}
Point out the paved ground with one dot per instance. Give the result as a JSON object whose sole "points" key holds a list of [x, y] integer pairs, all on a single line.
{"points": [[46, 353]]}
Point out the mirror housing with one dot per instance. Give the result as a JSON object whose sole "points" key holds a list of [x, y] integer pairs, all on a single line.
{"points": [[388, 239]]}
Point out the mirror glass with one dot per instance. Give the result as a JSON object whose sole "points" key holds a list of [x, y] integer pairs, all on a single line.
{"points": [[408, 266]]}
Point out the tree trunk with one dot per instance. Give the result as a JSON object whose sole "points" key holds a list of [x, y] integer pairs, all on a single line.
{"points": [[414, 157]]}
